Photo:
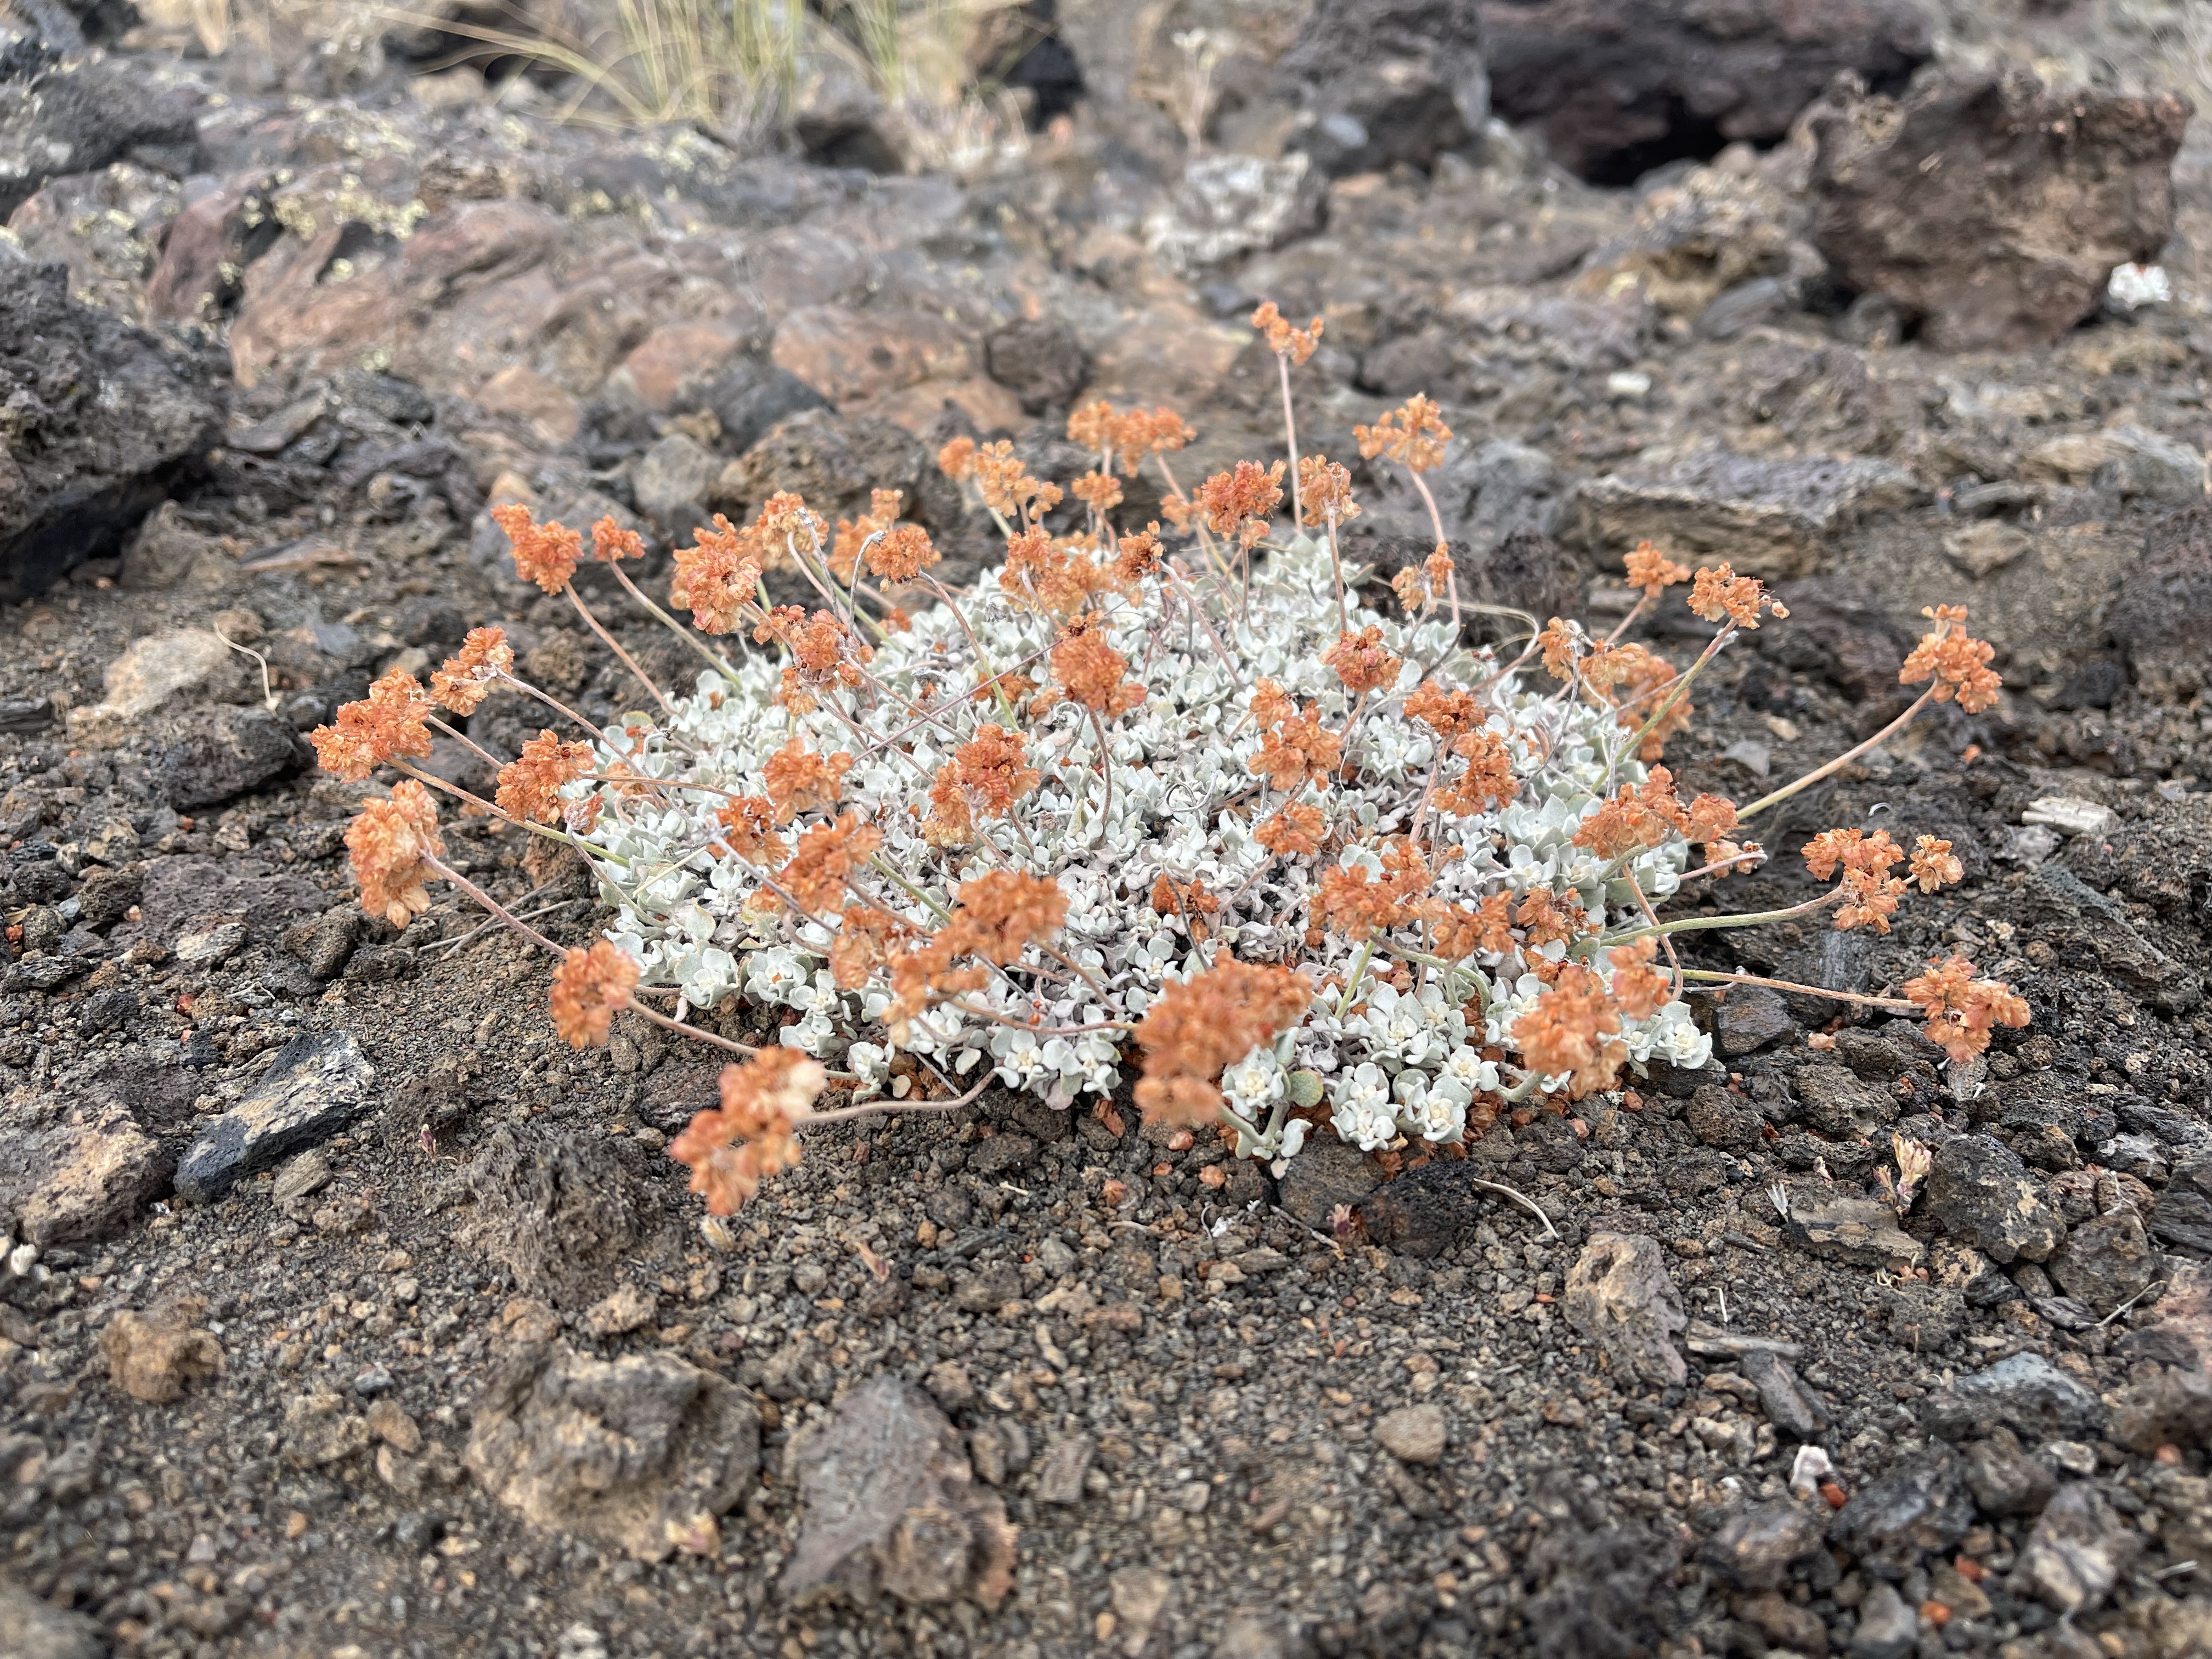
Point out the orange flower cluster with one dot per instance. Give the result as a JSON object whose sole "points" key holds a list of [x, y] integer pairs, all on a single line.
{"points": [[1721, 593], [1296, 831], [530, 785], [1651, 570], [546, 554], [822, 867], [987, 772], [1099, 491], [612, 543], [1123, 439], [387, 844], [1640, 989], [590, 987], [1547, 918], [1296, 344], [1458, 933], [1641, 817], [1003, 479], [1418, 586], [1574, 1030], [1933, 865], [1359, 904], [1960, 1010], [1207, 1022], [865, 935], [466, 678], [1091, 671], [1046, 575], [718, 575], [1959, 664], [1413, 434], [1489, 780], [1362, 662], [1870, 892], [387, 725], [749, 827], [854, 533], [1136, 556], [825, 651], [730, 1149], [1631, 677], [1447, 713], [1295, 749], [800, 779], [999, 915], [1240, 504], [1561, 643]]}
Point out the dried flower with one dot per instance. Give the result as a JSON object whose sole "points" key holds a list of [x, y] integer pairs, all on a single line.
{"points": [[1298, 751], [730, 1149], [1561, 643], [1296, 344], [957, 460], [1099, 491], [387, 843], [1651, 570], [1002, 913], [1137, 555], [1640, 989], [1091, 671], [610, 543], [1413, 434], [1006, 487], [1447, 713], [718, 575], [466, 678], [1718, 594], [748, 826], [546, 554], [1574, 1031], [822, 867], [992, 770], [865, 935], [590, 987], [1957, 662], [530, 785], [1933, 865], [1960, 1010], [800, 779], [1296, 831], [1198, 1025], [1240, 504], [1362, 662], [387, 725], [1488, 781]]}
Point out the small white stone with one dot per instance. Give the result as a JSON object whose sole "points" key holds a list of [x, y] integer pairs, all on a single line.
{"points": [[2070, 815]]}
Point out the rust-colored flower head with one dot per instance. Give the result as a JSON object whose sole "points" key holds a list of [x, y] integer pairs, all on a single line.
{"points": [[1355, 903], [957, 459], [1325, 492], [590, 987], [546, 554], [1934, 865], [1447, 713], [1294, 832], [1637, 682], [822, 867], [730, 1149], [1961, 1010], [387, 843], [785, 523], [1099, 491], [749, 829], [1562, 644], [1870, 892], [904, 554], [1240, 502], [1651, 570], [718, 575], [1413, 434], [1959, 663], [1640, 989], [1720, 595], [1362, 662], [530, 785], [1003, 480], [800, 779], [385, 725], [1489, 780], [1137, 555], [1298, 751], [1091, 671], [992, 770], [612, 543], [1296, 344], [1002, 913], [826, 651], [1197, 1026], [467, 676], [1048, 575], [1574, 1030], [1459, 933]]}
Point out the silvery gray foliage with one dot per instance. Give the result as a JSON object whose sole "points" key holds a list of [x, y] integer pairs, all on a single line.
{"points": [[1183, 802]]}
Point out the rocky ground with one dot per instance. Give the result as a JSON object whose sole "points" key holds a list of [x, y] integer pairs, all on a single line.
{"points": [[346, 1312]]}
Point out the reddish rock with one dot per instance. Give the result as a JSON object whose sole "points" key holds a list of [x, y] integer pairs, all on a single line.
{"points": [[670, 359], [1991, 211], [550, 413], [852, 357]]}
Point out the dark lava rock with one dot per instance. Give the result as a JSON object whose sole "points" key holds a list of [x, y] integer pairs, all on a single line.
{"points": [[1919, 1506], [752, 395], [99, 423], [218, 756], [2004, 1480], [1387, 81], [1424, 1211], [1619, 1295], [1838, 1105], [1039, 360], [1840, 630], [1617, 90], [179, 888], [1841, 1227], [2163, 613], [1979, 1193], [891, 1505], [2071, 916], [78, 118], [75, 1172], [640, 1454], [1748, 1018], [2106, 1261], [1989, 210], [2173, 1407], [1792, 1407], [1721, 1119], [1757, 1547], [561, 1209], [1326, 1174], [2076, 1553], [1887, 1628], [318, 1085], [2026, 1393], [2182, 1214], [37, 1629], [1599, 1587]]}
